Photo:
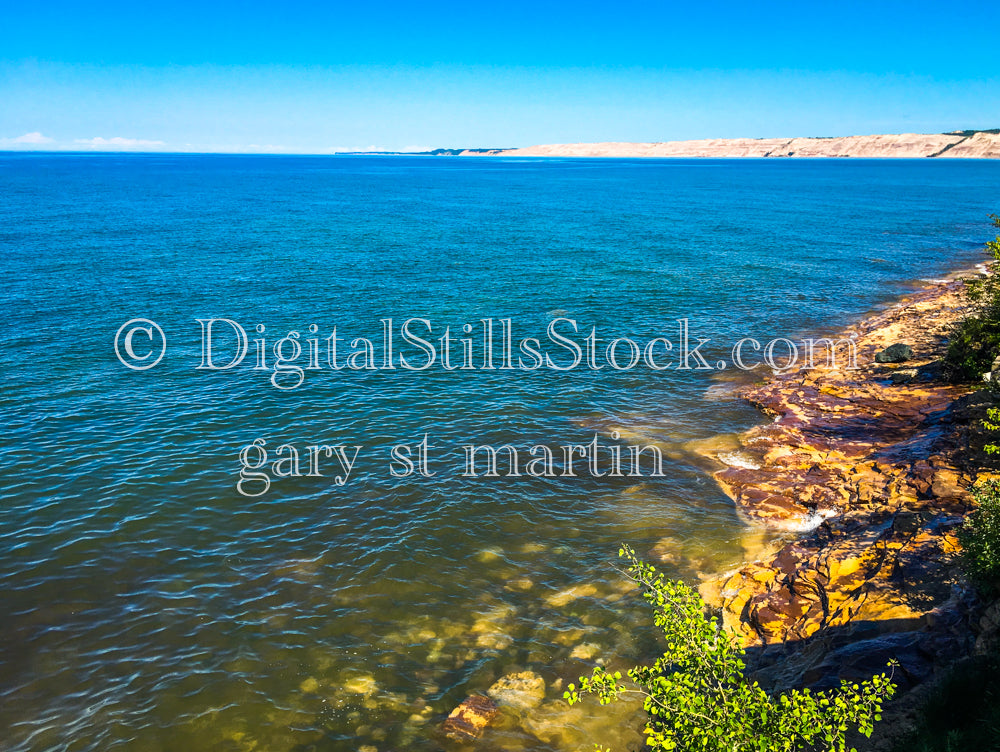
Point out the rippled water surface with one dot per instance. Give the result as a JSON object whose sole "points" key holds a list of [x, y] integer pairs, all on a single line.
{"points": [[150, 606]]}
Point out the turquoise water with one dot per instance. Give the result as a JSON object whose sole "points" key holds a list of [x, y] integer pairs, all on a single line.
{"points": [[151, 606]]}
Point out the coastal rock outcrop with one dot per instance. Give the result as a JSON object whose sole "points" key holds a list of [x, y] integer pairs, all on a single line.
{"points": [[873, 471]]}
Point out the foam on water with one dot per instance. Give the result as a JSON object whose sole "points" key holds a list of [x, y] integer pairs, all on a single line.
{"points": [[809, 522], [740, 459]]}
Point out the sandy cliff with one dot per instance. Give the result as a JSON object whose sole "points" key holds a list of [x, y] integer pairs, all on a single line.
{"points": [[979, 145]]}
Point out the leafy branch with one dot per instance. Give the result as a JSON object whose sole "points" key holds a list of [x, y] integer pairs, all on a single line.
{"points": [[698, 698]]}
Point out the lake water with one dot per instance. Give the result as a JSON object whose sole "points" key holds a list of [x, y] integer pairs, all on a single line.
{"points": [[150, 605]]}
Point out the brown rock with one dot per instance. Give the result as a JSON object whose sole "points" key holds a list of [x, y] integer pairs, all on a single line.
{"points": [[946, 484], [880, 463], [467, 721]]}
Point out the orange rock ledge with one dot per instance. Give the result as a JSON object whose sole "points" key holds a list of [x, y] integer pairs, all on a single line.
{"points": [[882, 471]]}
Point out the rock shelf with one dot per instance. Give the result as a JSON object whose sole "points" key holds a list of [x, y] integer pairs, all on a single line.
{"points": [[874, 471]]}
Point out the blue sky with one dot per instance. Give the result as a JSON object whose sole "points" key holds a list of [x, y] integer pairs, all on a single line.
{"points": [[317, 78]]}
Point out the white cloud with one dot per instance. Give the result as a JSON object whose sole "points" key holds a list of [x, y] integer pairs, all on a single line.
{"points": [[27, 140], [32, 138], [117, 142]]}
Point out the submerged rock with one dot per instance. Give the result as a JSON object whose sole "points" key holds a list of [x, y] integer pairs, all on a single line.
{"points": [[586, 651], [522, 691], [362, 684], [467, 721], [570, 594], [557, 724]]}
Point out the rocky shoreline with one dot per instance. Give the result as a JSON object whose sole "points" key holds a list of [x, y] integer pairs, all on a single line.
{"points": [[867, 472], [880, 459]]}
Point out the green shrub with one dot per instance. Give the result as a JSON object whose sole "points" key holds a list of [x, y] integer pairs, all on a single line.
{"points": [[975, 340], [698, 698], [962, 713], [972, 346], [980, 537], [992, 423]]}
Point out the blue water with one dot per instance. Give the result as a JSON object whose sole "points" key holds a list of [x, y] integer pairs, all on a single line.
{"points": [[151, 606]]}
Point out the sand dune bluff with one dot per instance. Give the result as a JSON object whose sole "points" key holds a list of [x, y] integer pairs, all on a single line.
{"points": [[979, 145]]}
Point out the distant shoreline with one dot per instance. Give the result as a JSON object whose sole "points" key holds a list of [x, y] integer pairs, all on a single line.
{"points": [[970, 144], [978, 144], [956, 145]]}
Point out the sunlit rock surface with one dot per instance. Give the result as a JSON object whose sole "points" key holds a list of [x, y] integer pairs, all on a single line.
{"points": [[876, 475]]}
